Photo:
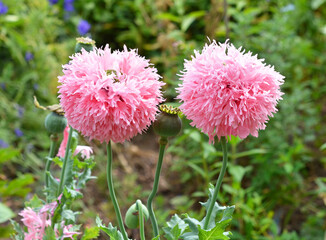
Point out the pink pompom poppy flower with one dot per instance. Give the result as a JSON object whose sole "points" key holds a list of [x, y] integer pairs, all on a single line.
{"points": [[226, 91], [110, 95]]}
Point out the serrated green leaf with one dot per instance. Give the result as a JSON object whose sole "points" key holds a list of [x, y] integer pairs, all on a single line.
{"points": [[91, 233], [216, 233], [49, 234], [176, 227], [69, 215], [84, 177], [111, 231], [5, 213], [35, 202], [19, 232], [71, 193], [53, 187]]}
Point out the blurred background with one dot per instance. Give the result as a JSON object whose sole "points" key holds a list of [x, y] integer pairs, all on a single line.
{"points": [[276, 181]]}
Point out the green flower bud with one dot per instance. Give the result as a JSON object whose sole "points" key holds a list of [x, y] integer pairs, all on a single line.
{"points": [[86, 43], [132, 216], [55, 123], [167, 123]]}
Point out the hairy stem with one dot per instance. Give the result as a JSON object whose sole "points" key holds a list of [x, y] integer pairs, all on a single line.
{"points": [[54, 139], [163, 143], [65, 161], [112, 193], [218, 183]]}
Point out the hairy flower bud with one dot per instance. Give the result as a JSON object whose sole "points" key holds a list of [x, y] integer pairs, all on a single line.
{"points": [[55, 123], [132, 219], [167, 123], [86, 43]]}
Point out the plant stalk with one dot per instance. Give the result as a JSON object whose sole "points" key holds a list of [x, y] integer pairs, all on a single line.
{"points": [[218, 182], [54, 139], [65, 160], [112, 193], [163, 143], [141, 220]]}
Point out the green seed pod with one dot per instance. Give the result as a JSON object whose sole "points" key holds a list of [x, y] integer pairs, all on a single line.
{"points": [[86, 43], [132, 216], [55, 123], [167, 123]]}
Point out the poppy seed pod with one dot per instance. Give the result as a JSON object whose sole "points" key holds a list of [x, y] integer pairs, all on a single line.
{"points": [[132, 219], [167, 123], [55, 123], [86, 43]]}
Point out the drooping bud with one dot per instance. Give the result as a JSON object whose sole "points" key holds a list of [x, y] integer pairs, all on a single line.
{"points": [[167, 123], [84, 42], [55, 123], [132, 218]]}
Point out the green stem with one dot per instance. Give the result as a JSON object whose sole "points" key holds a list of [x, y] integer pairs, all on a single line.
{"points": [[141, 220], [163, 143], [218, 183], [54, 139], [112, 193], [65, 161]]}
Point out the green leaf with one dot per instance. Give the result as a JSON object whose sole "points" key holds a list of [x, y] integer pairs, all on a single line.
{"points": [[19, 232], [49, 234], [91, 233], [190, 18], [216, 233], [69, 215], [53, 187], [176, 227], [84, 177], [35, 202], [250, 152], [18, 186], [111, 231], [7, 154], [71, 193], [5, 213]]}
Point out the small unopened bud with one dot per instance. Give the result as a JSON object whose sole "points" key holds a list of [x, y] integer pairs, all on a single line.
{"points": [[132, 216], [167, 123], [55, 123], [86, 43]]}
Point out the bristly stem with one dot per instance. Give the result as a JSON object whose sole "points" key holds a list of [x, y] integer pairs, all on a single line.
{"points": [[112, 193], [218, 183], [163, 143], [141, 219], [54, 139], [65, 161]]}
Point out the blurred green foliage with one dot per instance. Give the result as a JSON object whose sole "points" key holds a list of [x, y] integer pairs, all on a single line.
{"points": [[276, 181]]}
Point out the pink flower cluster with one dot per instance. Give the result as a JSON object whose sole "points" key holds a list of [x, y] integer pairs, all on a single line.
{"points": [[109, 95], [37, 221], [226, 91]]}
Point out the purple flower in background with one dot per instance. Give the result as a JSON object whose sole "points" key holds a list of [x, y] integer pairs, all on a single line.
{"points": [[3, 86], [29, 56], [18, 132], [20, 111], [3, 8], [36, 86], [68, 5], [3, 144], [83, 27], [52, 2]]}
